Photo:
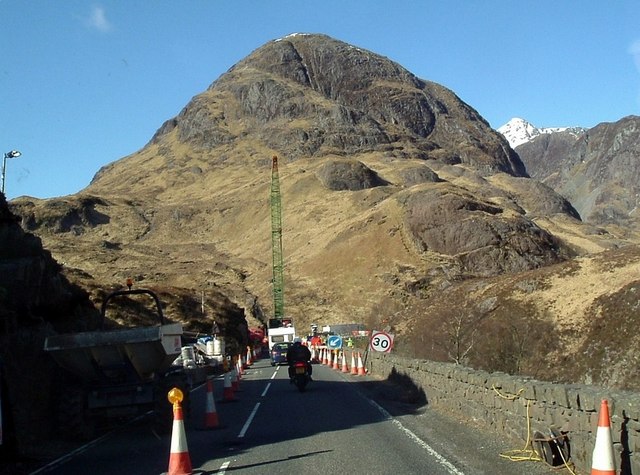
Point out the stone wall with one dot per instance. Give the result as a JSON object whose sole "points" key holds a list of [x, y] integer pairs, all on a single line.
{"points": [[520, 406]]}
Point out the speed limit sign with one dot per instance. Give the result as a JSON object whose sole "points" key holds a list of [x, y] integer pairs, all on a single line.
{"points": [[381, 341]]}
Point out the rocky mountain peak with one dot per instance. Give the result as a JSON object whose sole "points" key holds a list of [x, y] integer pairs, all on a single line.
{"points": [[518, 131], [311, 96]]}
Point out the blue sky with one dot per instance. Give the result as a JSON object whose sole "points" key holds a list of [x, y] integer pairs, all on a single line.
{"points": [[85, 83]]}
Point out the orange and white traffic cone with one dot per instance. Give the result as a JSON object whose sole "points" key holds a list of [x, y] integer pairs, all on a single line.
{"points": [[227, 392], [179, 459], [602, 460], [361, 371], [336, 355], [240, 365], [328, 361], [354, 367], [345, 369], [249, 361], [235, 381], [211, 415]]}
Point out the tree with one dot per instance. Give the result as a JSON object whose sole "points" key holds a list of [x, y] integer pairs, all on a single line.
{"points": [[460, 333]]}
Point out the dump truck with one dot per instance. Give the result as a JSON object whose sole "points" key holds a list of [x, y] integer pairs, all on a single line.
{"points": [[121, 373]]}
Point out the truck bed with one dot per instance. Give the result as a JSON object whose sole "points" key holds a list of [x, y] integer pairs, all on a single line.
{"points": [[117, 354]]}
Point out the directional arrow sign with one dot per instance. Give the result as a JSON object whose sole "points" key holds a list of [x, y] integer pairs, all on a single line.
{"points": [[381, 341], [334, 342]]}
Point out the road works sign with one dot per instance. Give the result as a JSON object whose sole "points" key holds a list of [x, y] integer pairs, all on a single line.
{"points": [[381, 341], [334, 342]]}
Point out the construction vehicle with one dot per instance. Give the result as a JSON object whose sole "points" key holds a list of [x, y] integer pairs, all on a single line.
{"points": [[115, 374]]}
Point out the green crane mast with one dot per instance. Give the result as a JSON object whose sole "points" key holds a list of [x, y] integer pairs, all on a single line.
{"points": [[276, 243]]}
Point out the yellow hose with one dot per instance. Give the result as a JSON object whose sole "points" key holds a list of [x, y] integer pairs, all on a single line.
{"points": [[527, 453]]}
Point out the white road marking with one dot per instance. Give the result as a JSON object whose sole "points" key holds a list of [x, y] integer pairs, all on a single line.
{"points": [[224, 467], [248, 423], [439, 458]]}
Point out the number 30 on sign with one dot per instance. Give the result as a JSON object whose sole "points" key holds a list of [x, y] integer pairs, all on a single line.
{"points": [[381, 341]]}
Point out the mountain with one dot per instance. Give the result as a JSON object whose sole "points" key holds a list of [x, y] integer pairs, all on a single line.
{"points": [[597, 170], [519, 131], [398, 199]]}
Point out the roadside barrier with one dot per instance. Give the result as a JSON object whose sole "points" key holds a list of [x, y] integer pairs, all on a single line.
{"points": [[211, 415], [179, 459], [602, 460]]}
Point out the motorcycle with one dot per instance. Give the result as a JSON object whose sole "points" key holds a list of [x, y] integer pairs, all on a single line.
{"points": [[300, 375]]}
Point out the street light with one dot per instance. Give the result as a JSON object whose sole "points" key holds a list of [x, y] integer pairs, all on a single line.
{"points": [[11, 154]]}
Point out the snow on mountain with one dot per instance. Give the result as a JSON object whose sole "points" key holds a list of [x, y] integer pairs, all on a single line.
{"points": [[518, 131]]}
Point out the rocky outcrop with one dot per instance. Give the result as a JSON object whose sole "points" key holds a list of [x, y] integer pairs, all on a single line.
{"points": [[339, 175], [485, 239], [32, 287]]}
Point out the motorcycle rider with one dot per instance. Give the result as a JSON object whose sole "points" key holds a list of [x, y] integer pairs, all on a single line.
{"points": [[298, 352]]}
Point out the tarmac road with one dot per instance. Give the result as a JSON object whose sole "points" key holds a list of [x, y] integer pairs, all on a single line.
{"points": [[336, 426]]}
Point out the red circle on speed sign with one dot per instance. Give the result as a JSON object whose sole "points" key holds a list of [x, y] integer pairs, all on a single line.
{"points": [[381, 341]]}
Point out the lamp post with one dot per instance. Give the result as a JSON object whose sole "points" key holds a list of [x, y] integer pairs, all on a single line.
{"points": [[11, 154]]}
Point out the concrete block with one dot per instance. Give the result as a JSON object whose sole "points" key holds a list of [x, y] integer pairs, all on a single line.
{"points": [[573, 396], [590, 399]]}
